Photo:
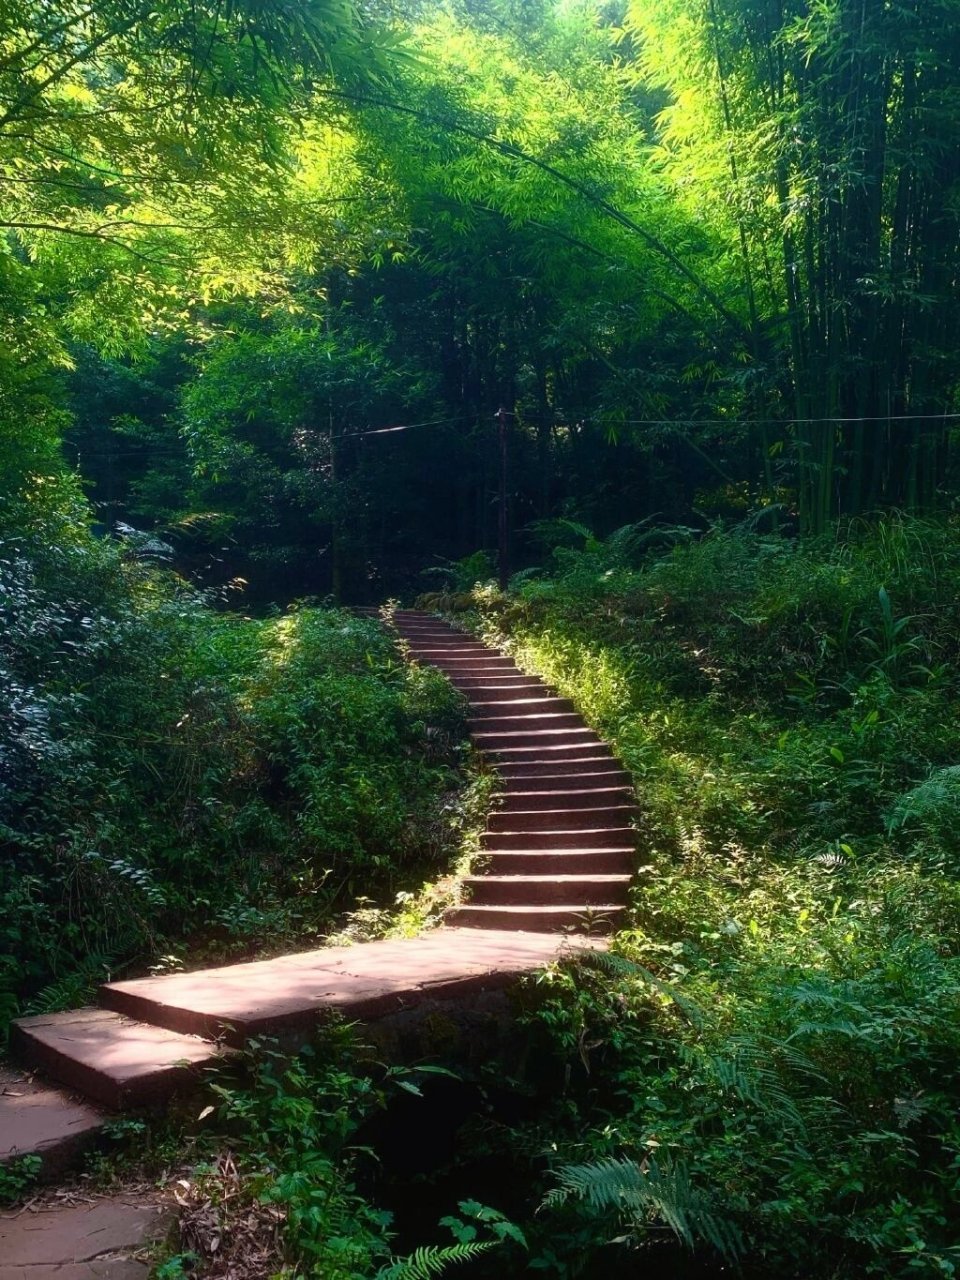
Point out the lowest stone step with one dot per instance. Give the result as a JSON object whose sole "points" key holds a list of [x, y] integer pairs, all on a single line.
{"points": [[39, 1120]]}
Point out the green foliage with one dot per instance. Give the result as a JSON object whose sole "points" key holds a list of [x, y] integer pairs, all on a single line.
{"points": [[169, 770], [178, 1267], [932, 810], [464, 574], [17, 1176], [645, 1193], [432, 1260], [292, 1126], [776, 1030]]}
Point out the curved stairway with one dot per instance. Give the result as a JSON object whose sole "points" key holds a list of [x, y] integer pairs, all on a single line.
{"points": [[560, 845]]}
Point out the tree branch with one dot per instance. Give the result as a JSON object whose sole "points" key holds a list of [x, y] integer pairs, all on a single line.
{"points": [[91, 234], [45, 37], [65, 68]]}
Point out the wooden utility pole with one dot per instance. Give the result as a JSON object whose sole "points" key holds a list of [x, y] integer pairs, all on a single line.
{"points": [[503, 562]]}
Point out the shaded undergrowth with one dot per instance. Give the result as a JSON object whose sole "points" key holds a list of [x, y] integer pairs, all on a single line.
{"points": [[179, 783], [769, 1057]]}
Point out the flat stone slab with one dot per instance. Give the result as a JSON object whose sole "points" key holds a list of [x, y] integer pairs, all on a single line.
{"points": [[112, 1059], [98, 1241], [368, 980], [38, 1120]]}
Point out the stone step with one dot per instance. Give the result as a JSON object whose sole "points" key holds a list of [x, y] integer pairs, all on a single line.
{"points": [[37, 1119], [548, 919], [535, 739], [117, 1062], [571, 838], [502, 679], [516, 799], [559, 862], [100, 1238], [542, 890], [452, 646], [450, 649], [519, 689], [428, 629], [474, 667], [557, 757], [527, 722], [287, 996], [440, 639], [453, 662], [478, 655], [585, 771], [432, 626], [616, 816], [495, 708], [407, 625], [425, 637]]}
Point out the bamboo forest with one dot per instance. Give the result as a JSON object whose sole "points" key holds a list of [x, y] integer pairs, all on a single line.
{"points": [[479, 639]]}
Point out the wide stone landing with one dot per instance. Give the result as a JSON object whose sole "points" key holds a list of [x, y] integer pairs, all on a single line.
{"points": [[289, 994], [109, 1239], [157, 1033]]}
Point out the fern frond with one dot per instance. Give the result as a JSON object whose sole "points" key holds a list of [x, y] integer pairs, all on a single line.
{"points": [[609, 1183], [750, 1071], [627, 542], [432, 1260], [796, 1061], [620, 967], [78, 987], [646, 1193]]}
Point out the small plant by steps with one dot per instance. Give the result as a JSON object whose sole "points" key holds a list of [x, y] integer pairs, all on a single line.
{"points": [[286, 1194]]}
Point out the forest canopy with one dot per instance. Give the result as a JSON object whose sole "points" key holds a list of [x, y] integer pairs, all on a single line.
{"points": [[703, 252]]}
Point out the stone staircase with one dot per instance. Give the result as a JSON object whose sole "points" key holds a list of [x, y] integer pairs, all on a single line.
{"points": [[560, 845], [558, 857]]}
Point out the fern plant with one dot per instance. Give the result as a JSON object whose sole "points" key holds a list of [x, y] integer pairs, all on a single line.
{"points": [[932, 808], [648, 1195], [432, 1260], [77, 987]]}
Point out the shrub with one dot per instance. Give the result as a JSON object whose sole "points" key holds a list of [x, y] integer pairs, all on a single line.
{"points": [[169, 771]]}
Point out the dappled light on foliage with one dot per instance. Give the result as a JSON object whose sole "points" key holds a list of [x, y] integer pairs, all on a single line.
{"points": [[169, 770]]}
